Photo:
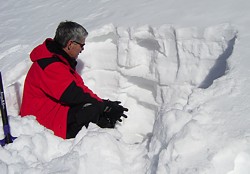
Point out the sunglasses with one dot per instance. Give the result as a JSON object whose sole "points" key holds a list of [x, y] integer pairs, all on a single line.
{"points": [[81, 45]]}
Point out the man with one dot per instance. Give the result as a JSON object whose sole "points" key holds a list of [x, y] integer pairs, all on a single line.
{"points": [[56, 94]]}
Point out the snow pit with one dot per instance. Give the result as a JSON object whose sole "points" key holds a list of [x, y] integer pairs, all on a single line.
{"points": [[164, 75]]}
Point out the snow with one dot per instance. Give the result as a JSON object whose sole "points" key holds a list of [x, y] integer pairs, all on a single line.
{"points": [[181, 67]]}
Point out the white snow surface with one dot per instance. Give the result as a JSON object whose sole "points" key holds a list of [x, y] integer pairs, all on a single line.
{"points": [[180, 66]]}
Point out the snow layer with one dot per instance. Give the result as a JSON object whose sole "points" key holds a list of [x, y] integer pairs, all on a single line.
{"points": [[180, 67]]}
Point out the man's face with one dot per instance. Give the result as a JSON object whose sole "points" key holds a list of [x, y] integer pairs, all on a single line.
{"points": [[76, 47]]}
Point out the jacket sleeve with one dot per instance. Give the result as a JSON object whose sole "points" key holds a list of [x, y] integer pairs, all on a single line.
{"points": [[74, 95], [59, 83]]}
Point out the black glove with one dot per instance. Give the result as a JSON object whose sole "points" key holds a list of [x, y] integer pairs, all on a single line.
{"points": [[113, 110], [105, 122]]}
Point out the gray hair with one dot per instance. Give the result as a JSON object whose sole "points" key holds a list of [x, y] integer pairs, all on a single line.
{"points": [[69, 30]]}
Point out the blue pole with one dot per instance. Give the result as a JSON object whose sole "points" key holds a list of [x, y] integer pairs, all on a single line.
{"points": [[6, 127]]}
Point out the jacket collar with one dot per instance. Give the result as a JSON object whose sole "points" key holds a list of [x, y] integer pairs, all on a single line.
{"points": [[56, 48]]}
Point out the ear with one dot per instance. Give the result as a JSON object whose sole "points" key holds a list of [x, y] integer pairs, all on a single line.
{"points": [[68, 45]]}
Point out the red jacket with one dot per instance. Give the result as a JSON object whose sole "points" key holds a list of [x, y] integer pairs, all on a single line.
{"points": [[52, 86]]}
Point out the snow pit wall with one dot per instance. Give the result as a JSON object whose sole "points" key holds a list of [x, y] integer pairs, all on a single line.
{"points": [[146, 66]]}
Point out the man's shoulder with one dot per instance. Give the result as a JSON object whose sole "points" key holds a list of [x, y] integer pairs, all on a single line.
{"points": [[45, 62]]}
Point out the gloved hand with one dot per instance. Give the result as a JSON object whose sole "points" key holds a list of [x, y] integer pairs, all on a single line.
{"points": [[113, 110]]}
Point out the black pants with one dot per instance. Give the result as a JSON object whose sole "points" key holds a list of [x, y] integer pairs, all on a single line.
{"points": [[79, 116]]}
